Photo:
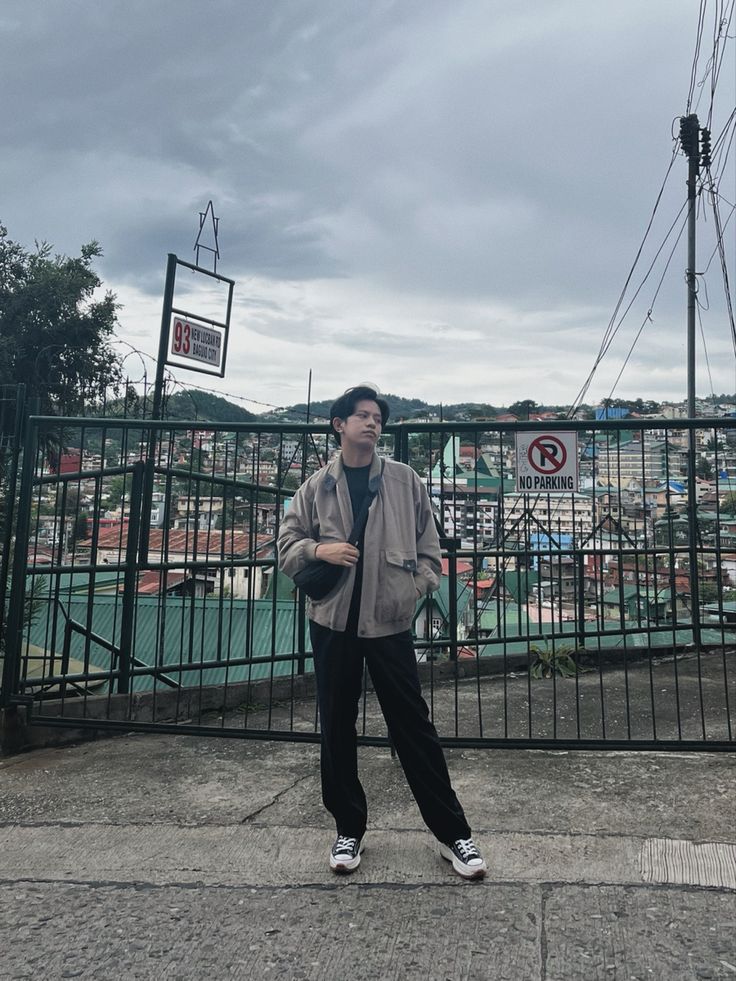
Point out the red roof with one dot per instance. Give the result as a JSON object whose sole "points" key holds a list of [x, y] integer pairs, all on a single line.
{"points": [[42, 556], [150, 582], [462, 567], [186, 542]]}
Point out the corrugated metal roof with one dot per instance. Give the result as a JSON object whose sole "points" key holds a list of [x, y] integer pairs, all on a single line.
{"points": [[285, 588], [439, 600], [665, 638], [178, 541], [611, 412], [172, 632], [520, 583]]}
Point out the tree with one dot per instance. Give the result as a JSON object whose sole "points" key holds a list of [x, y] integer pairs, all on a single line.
{"points": [[54, 339], [708, 592], [115, 491], [522, 408], [55, 333], [81, 528]]}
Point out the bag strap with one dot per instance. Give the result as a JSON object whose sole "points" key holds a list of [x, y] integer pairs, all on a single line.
{"points": [[362, 518]]}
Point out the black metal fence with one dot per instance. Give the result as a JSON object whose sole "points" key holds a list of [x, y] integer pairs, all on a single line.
{"points": [[145, 591], [12, 408]]}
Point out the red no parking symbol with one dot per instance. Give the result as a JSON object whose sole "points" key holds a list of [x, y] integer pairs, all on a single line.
{"points": [[547, 454]]}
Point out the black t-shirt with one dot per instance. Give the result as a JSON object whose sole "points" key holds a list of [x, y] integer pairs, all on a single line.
{"points": [[357, 478]]}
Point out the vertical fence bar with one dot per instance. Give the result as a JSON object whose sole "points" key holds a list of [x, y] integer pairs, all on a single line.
{"points": [[9, 515], [693, 537], [130, 582], [580, 616], [14, 629], [451, 545], [624, 548], [300, 599]]}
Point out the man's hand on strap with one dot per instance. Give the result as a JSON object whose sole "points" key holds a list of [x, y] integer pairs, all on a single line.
{"points": [[337, 553]]}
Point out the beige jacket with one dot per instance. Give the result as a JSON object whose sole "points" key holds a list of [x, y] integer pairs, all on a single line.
{"points": [[401, 558]]}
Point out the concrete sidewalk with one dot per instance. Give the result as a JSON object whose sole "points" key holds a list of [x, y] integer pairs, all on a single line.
{"points": [[179, 857]]}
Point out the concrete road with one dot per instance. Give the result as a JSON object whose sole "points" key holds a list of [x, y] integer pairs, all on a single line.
{"points": [[156, 856]]}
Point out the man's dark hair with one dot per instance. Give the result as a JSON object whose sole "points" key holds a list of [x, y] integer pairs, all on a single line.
{"points": [[345, 406]]}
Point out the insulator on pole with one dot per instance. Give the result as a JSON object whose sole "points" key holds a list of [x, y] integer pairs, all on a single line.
{"points": [[705, 148], [689, 135]]}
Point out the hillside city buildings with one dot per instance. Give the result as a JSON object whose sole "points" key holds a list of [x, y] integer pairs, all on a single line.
{"points": [[617, 548]]}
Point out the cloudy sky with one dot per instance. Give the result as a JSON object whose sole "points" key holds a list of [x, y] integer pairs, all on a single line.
{"points": [[444, 197]]}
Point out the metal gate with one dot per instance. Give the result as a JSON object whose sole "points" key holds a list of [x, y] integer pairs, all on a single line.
{"points": [[12, 405], [145, 592]]}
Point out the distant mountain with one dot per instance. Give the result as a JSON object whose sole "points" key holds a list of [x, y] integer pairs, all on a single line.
{"points": [[399, 408], [192, 404]]}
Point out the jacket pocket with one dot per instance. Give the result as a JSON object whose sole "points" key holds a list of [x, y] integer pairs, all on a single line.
{"points": [[397, 593]]}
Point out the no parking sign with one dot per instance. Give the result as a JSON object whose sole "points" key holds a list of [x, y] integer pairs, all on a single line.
{"points": [[546, 462]]}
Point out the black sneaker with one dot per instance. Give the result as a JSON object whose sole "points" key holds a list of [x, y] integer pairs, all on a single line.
{"points": [[345, 854], [466, 860]]}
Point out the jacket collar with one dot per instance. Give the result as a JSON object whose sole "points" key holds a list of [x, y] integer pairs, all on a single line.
{"points": [[335, 471]]}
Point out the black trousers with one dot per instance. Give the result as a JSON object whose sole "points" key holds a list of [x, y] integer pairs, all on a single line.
{"points": [[338, 664]]}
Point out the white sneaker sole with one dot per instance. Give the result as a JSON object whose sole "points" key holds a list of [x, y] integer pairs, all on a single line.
{"points": [[466, 871], [341, 867]]}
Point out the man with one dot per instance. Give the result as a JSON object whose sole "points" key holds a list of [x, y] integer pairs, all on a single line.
{"points": [[367, 618]]}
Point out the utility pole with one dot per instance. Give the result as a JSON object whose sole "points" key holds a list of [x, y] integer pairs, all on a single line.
{"points": [[154, 435], [690, 142]]}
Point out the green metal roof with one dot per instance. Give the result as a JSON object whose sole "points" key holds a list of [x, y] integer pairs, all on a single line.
{"points": [[284, 587], [520, 583], [440, 598], [630, 592], [79, 582], [614, 595], [238, 629], [450, 461], [503, 646], [618, 437], [508, 620], [170, 629], [486, 465]]}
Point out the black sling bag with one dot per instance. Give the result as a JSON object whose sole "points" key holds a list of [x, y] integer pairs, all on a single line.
{"points": [[318, 578]]}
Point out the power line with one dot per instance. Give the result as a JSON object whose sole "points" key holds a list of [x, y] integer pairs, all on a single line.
{"points": [[613, 327], [243, 398], [724, 266], [723, 18], [696, 55], [210, 391], [714, 253], [721, 24], [648, 316], [705, 347], [722, 148]]}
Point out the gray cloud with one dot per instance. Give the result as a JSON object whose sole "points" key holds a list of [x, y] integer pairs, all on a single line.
{"points": [[379, 169]]}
